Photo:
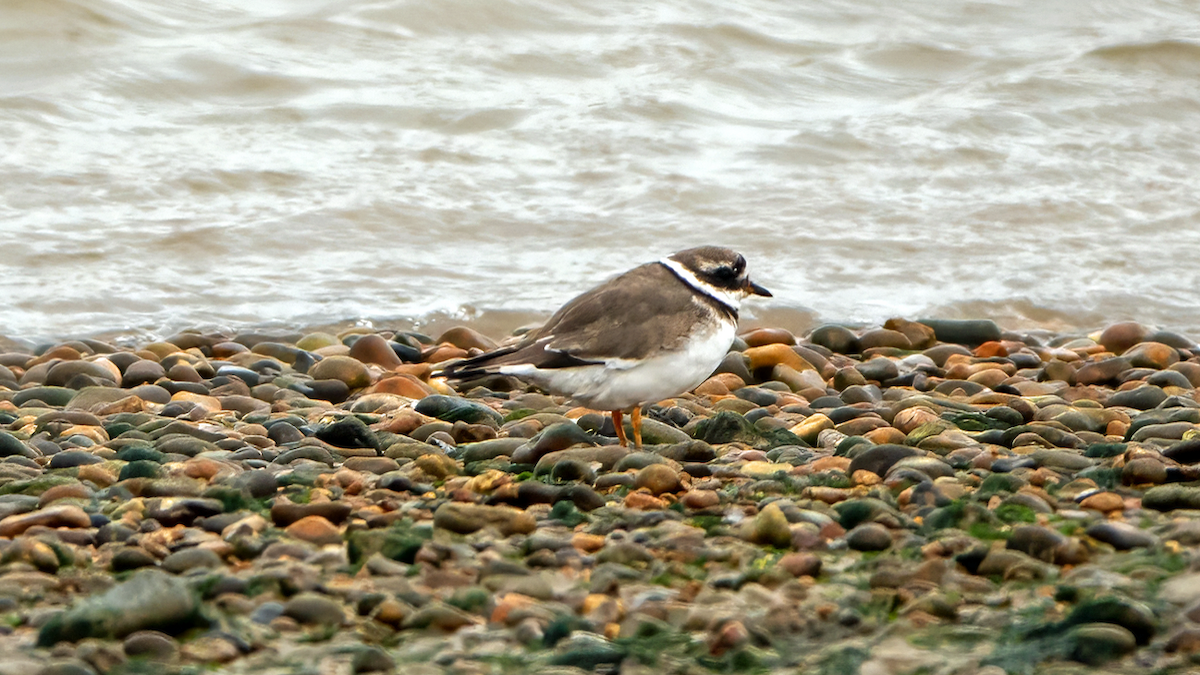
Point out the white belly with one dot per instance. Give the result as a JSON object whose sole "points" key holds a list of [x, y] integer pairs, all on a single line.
{"points": [[620, 384]]}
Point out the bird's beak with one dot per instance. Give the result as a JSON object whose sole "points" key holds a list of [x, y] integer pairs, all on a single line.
{"points": [[752, 288]]}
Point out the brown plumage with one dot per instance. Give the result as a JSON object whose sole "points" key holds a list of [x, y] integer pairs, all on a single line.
{"points": [[653, 313]]}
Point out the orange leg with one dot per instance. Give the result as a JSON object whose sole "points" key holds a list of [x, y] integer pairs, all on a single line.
{"points": [[636, 418], [619, 425]]}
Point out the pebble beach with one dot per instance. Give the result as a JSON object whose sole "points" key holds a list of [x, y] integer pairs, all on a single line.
{"points": [[937, 497]]}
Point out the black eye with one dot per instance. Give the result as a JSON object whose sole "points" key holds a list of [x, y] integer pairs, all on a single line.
{"points": [[725, 273]]}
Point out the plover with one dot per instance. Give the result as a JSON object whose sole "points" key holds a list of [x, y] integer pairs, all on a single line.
{"points": [[651, 333]]}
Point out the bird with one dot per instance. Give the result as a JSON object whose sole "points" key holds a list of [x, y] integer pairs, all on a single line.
{"points": [[653, 332]]}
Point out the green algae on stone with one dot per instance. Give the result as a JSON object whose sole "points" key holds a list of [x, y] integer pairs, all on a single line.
{"points": [[150, 599], [730, 427]]}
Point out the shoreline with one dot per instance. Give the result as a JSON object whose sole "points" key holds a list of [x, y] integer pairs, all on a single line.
{"points": [[1011, 315], [947, 495]]}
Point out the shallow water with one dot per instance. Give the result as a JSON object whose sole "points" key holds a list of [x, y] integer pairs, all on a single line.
{"points": [[286, 163]]}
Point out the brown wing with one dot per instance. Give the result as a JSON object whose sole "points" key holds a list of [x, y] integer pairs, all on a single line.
{"points": [[638, 314]]}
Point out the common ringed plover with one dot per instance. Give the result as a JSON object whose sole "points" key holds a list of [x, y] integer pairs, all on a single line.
{"points": [[651, 333]]}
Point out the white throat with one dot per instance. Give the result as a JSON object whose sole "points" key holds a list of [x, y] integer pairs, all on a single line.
{"points": [[731, 299]]}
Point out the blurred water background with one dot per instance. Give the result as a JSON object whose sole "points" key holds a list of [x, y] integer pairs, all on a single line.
{"points": [[285, 163]]}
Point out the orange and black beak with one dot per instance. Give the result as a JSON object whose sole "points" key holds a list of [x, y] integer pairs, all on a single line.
{"points": [[752, 288]]}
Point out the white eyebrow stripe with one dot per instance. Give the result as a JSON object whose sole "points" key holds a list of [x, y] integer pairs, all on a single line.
{"points": [[726, 298]]}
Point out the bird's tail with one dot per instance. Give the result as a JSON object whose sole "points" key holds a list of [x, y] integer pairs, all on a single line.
{"points": [[474, 367]]}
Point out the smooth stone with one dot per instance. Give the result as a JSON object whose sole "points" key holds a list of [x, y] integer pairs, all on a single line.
{"points": [[837, 339], [259, 483], [73, 458], [1036, 541], [349, 432], [1143, 470], [191, 558], [244, 405], [1103, 501], [267, 612], [730, 427], [919, 335], [854, 512], [279, 351], [1134, 616], [172, 511], [375, 349], [467, 338], [317, 340], [658, 433], [10, 446], [372, 659], [765, 336], [932, 467], [284, 513], [1101, 372], [1061, 459], [884, 337], [554, 438], [606, 457], [182, 444], [1120, 535], [184, 372], [375, 465], [771, 528], [467, 518], [1170, 378], [735, 363], [1141, 398], [454, 409], [657, 478], [490, 449], [252, 378], [1152, 355], [64, 372], [152, 645], [1184, 452], [148, 600], [314, 609], [1190, 370], [529, 493], [688, 451], [572, 470], [54, 396], [1121, 336], [132, 558], [1160, 498], [880, 458], [964, 331], [282, 434], [143, 371], [700, 499], [1096, 644], [316, 530], [401, 482], [1011, 565], [801, 564], [314, 453], [1169, 430], [213, 648], [345, 369], [63, 515], [879, 369], [869, 537], [770, 355], [13, 504]]}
